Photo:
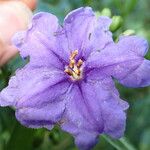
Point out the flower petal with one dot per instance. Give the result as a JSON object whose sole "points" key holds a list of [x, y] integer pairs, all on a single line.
{"points": [[87, 109], [33, 87], [85, 32], [124, 61], [100, 37], [84, 140], [38, 41], [114, 119], [76, 109], [78, 25], [106, 106], [45, 116], [139, 77], [134, 43]]}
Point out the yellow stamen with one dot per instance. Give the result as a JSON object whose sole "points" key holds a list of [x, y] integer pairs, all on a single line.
{"points": [[74, 54], [69, 72], [80, 62], [72, 63], [74, 70]]}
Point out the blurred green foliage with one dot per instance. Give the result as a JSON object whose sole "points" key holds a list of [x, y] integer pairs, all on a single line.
{"points": [[135, 16]]}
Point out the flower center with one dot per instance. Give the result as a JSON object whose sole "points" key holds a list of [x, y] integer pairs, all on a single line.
{"points": [[74, 69]]}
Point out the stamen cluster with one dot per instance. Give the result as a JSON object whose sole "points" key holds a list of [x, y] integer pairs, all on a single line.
{"points": [[74, 69]]}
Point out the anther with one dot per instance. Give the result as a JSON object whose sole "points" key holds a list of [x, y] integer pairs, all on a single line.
{"points": [[74, 54], [78, 72], [74, 69], [79, 63], [72, 63], [68, 71]]}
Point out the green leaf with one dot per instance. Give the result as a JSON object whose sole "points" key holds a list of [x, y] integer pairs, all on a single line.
{"points": [[21, 138]]}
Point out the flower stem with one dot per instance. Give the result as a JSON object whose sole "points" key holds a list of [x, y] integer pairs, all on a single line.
{"points": [[121, 144]]}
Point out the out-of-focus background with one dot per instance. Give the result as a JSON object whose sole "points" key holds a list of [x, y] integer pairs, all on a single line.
{"points": [[136, 16]]}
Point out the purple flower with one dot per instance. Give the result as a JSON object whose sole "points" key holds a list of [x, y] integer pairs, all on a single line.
{"points": [[69, 79]]}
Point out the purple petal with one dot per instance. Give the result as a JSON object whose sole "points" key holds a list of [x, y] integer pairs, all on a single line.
{"points": [[124, 61], [139, 76], [106, 106], [88, 106], [45, 116], [86, 140], [100, 37], [134, 43], [33, 87], [83, 139], [76, 109], [78, 25], [114, 119], [85, 32], [38, 41]]}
